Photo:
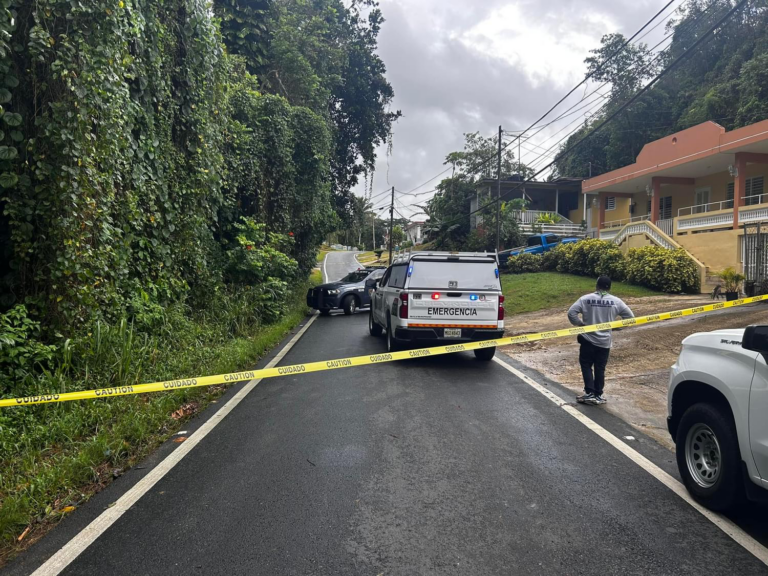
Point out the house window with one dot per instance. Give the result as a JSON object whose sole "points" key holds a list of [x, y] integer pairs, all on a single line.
{"points": [[648, 208], [610, 203], [665, 208], [754, 190]]}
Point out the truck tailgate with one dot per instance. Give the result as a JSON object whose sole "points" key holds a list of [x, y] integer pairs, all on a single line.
{"points": [[460, 309]]}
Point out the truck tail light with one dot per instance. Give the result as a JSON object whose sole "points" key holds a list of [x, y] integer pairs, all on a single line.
{"points": [[501, 307], [403, 305]]}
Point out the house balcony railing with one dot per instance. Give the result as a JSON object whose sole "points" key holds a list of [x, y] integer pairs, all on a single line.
{"points": [[754, 200], [714, 215], [705, 208], [620, 223], [532, 216]]}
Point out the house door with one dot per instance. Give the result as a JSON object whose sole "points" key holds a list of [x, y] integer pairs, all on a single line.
{"points": [[701, 199]]}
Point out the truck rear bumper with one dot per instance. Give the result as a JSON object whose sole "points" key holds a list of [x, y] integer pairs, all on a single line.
{"points": [[427, 335]]}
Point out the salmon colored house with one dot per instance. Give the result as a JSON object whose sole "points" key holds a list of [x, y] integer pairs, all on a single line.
{"points": [[702, 189]]}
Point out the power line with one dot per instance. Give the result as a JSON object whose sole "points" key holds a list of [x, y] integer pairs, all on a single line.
{"points": [[586, 79], [591, 105], [661, 53], [621, 108], [646, 66]]}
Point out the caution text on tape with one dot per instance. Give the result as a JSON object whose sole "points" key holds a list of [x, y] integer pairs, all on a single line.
{"points": [[363, 360]]}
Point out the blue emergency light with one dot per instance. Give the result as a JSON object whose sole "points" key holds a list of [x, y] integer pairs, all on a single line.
{"points": [[473, 297]]}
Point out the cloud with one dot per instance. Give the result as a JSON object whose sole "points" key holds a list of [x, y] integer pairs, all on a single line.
{"points": [[459, 66]]}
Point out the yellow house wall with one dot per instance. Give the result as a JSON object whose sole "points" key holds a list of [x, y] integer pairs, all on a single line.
{"points": [[635, 241], [621, 212], [718, 183], [577, 215], [717, 250]]}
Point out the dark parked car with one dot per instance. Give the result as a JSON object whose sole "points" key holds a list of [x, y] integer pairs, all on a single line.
{"points": [[350, 293]]}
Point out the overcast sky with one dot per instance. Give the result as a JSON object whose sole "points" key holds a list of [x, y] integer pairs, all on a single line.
{"points": [[469, 65]]}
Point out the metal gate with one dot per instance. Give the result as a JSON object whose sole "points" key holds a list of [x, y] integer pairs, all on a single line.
{"points": [[754, 253]]}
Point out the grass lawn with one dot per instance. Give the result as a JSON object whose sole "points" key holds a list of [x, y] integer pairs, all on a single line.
{"points": [[370, 258], [532, 292], [322, 252]]}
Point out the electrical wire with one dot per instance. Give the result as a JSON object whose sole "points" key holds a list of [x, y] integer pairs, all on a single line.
{"points": [[571, 91], [659, 76]]}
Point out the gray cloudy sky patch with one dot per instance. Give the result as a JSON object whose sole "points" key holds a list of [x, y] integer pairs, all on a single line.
{"points": [[459, 66]]}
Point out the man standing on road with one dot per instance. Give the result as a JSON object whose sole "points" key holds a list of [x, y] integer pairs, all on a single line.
{"points": [[596, 308]]}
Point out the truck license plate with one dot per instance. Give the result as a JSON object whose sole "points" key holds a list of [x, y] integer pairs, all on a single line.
{"points": [[452, 332]]}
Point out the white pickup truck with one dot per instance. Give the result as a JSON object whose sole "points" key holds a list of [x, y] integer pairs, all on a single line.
{"points": [[718, 415], [429, 297]]}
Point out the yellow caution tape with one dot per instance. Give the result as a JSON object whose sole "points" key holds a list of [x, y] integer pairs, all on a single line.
{"points": [[363, 360]]}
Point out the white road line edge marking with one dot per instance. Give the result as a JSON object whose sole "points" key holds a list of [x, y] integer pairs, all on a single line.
{"points": [[737, 534], [325, 270], [72, 549]]}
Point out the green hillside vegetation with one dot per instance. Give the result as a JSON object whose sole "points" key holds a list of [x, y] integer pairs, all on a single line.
{"points": [[167, 175]]}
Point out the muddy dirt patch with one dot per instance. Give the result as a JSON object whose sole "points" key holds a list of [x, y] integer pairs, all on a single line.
{"points": [[638, 370]]}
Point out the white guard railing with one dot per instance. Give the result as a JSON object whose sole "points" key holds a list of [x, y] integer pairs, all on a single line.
{"points": [[753, 214], [705, 221], [665, 226], [620, 223], [704, 208], [531, 216], [643, 228], [756, 199]]}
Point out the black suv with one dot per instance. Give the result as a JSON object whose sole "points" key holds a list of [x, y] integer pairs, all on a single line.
{"points": [[350, 293]]}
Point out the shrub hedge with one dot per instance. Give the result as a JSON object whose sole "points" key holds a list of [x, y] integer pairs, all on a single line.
{"points": [[670, 271], [665, 270]]}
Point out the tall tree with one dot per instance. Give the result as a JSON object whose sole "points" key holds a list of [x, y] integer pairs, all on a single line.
{"points": [[323, 55], [244, 28]]}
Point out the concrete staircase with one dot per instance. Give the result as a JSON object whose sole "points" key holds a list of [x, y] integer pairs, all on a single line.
{"points": [[660, 238]]}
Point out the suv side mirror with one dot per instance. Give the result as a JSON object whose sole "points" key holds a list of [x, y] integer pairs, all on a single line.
{"points": [[756, 339]]}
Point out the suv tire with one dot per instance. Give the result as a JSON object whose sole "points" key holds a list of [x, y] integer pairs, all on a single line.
{"points": [[392, 345], [485, 354], [373, 328], [325, 312], [708, 456], [349, 304]]}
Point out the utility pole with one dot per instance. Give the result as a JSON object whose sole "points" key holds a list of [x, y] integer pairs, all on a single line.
{"points": [[373, 227], [498, 197], [391, 223]]}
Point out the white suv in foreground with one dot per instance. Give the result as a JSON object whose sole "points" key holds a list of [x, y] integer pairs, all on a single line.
{"points": [[430, 297], [718, 415]]}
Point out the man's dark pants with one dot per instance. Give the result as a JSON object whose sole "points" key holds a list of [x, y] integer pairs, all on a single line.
{"points": [[589, 356]]}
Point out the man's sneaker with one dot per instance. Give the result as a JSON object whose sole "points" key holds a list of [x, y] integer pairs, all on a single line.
{"points": [[585, 398], [600, 399]]}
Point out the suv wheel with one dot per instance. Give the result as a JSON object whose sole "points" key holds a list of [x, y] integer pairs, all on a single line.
{"points": [[485, 354], [349, 304], [391, 342], [708, 457], [325, 312], [373, 328]]}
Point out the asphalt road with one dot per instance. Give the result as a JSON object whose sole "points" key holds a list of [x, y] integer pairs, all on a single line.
{"points": [[440, 465], [338, 264]]}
